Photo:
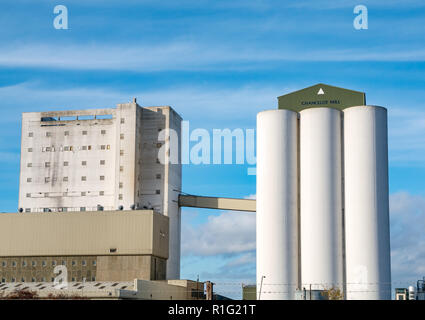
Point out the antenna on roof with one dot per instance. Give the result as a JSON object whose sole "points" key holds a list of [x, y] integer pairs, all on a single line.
{"points": [[134, 100]]}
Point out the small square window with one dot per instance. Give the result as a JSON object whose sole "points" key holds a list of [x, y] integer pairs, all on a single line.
{"points": [[73, 263], [33, 263], [29, 165], [65, 163], [88, 147], [54, 263], [13, 263], [121, 168], [84, 133], [63, 262], [102, 162], [66, 133], [83, 163], [4, 264], [29, 149], [66, 148], [83, 194], [28, 195], [122, 120], [158, 191], [122, 136], [101, 193], [24, 263], [65, 179], [102, 147], [22, 279], [47, 164], [120, 196], [13, 279], [103, 131], [47, 179], [48, 134], [102, 178], [73, 279], [84, 148], [83, 178], [29, 179], [83, 263], [32, 279], [46, 194], [27, 209], [94, 262], [48, 149], [121, 152], [30, 134], [82, 208], [121, 185], [43, 263], [158, 176]]}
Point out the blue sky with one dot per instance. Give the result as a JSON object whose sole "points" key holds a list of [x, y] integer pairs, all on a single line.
{"points": [[218, 63]]}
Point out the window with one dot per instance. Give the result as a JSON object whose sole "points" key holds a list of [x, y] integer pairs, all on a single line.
{"points": [[3, 280], [43, 263], [29, 149], [94, 263], [13, 263], [48, 149], [65, 179], [22, 279], [30, 134], [122, 120], [89, 147], [82, 208], [83, 263], [102, 162], [29, 179], [102, 147], [121, 168], [93, 278], [66, 148], [121, 185], [28, 195], [121, 152], [47, 179], [101, 193], [108, 147], [83, 194], [120, 196], [83, 163], [158, 176], [48, 134], [158, 191], [24, 263], [73, 279], [33, 263], [73, 263], [65, 163], [63, 262], [46, 194], [84, 133], [159, 145], [102, 178], [13, 280], [103, 131], [70, 148], [4, 264], [83, 178], [47, 164], [66, 133], [84, 147], [27, 209], [32, 279], [122, 136], [29, 165], [54, 263]]}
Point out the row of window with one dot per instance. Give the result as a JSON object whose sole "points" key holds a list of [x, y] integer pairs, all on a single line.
{"points": [[66, 133], [65, 179], [66, 163], [47, 194], [43, 279], [71, 148], [44, 263]]}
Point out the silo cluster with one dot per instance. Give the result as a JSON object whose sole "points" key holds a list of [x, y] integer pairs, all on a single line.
{"points": [[322, 202]]}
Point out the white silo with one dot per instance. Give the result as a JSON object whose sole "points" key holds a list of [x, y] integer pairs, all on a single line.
{"points": [[321, 199], [367, 237], [277, 206]]}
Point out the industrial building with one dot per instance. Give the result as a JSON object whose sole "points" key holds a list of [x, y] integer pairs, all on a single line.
{"points": [[322, 196], [74, 166]]}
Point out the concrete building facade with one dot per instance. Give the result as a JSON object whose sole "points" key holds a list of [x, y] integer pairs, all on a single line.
{"points": [[103, 160]]}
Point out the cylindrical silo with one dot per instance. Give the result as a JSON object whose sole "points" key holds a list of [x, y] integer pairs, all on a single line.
{"points": [[367, 235], [321, 199], [277, 207]]}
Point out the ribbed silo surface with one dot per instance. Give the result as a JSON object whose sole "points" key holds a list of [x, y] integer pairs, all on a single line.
{"points": [[367, 237], [321, 198], [277, 208]]}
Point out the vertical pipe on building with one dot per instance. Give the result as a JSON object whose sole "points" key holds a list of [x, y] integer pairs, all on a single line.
{"points": [[367, 236], [277, 205], [321, 198]]}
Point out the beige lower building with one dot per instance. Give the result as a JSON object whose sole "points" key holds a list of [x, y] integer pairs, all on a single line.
{"points": [[92, 246]]}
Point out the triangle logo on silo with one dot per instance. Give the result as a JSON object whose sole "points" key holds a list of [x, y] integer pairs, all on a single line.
{"points": [[321, 91]]}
